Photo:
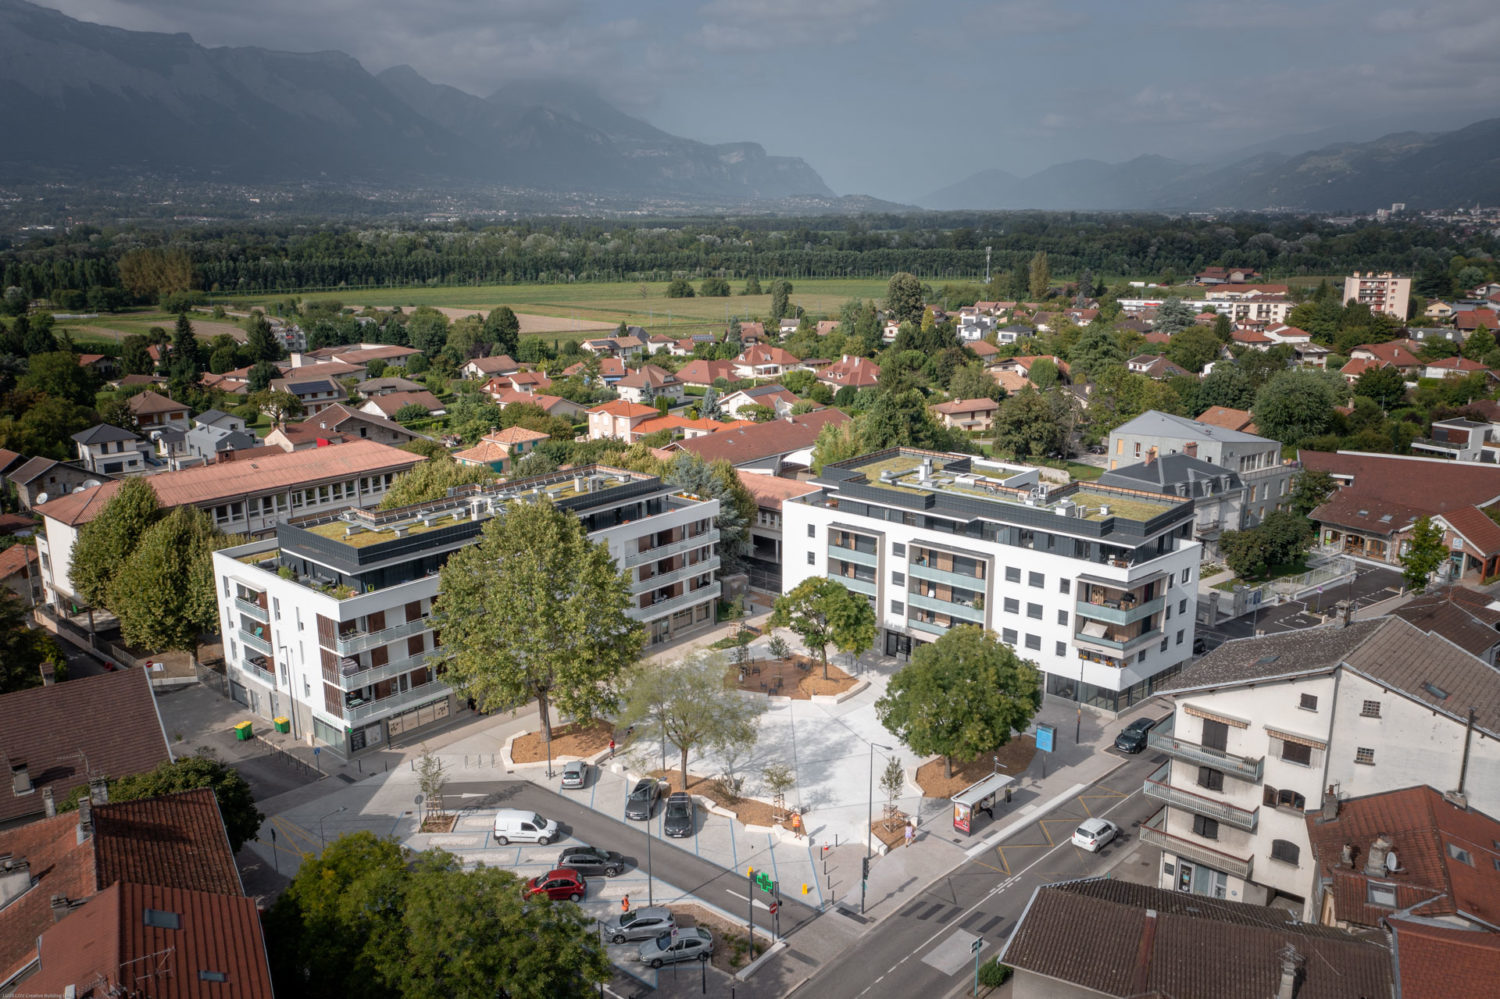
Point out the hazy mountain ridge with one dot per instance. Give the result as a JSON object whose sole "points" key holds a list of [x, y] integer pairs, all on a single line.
{"points": [[95, 100], [1423, 170]]}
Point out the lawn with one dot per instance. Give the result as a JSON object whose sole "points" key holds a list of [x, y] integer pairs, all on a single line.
{"points": [[1293, 568]]}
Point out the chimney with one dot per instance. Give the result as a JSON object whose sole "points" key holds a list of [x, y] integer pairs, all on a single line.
{"points": [[1191, 449], [48, 804], [1346, 857], [49, 673], [1151, 456], [98, 790], [1375, 861], [61, 906], [1291, 972], [15, 878], [1330, 804], [20, 778], [85, 819]]}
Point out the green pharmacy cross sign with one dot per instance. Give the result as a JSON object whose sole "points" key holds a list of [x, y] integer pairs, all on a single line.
{"points": [[763, 881]]}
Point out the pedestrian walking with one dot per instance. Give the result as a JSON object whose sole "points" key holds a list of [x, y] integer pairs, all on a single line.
{"points": [[911, 831], [611, 747], [797, 824], [625, 904]]}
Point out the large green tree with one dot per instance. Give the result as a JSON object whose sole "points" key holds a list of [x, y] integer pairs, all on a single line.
{"points": [[188, 773], [1424, 553], [1310, 490], [1039, 277], [1173, 317], [164, 593], [781, 295], [1295, 405], [1194, 347], [824, 612], [369, 918], [903, 298], [57, 373], [105, 543], [23, 649], [504, 328], [1026, 425], [718, 480], [1384, 385], [537, 610], [966, 693], [692, 705]]}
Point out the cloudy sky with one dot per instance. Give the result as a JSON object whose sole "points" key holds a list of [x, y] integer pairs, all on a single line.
{"points": [[895, 98]]}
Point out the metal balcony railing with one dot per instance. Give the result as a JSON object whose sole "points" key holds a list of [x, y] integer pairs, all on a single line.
{"points": [[1242, 767], [1154, 831], [1160, 788], [349, 643], [709, 537]]}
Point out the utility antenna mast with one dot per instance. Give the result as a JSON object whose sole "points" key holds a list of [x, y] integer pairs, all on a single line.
{"points": [[987, 250]]}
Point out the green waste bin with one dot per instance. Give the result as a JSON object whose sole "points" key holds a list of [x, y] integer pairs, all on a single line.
{"points": [[242, 731], [283, 725]]}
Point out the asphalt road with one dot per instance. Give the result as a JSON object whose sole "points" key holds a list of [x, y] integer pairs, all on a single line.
{"points": [[1371, 584], [675, 865], [925, 948]]}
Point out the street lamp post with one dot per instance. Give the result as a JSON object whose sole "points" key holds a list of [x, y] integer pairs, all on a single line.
{"points": [[870, 824], [321, 838]]}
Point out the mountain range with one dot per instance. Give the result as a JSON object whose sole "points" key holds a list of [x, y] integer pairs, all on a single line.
{"points": [[1422, 170], [89, 100]]}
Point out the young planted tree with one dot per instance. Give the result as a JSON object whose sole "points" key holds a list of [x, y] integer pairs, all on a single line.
{"points": [[432, 778], [778, 779], [691, 705], [823, 612], [960, 696], [536, 610], [892, 783], [1424, 553]]}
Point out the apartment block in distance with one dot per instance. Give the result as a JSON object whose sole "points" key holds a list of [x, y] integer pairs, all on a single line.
{"points": [[1381, 292], [1095, 584], [329, 623]]}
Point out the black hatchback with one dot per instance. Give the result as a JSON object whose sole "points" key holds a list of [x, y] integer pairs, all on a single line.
{"points": [[590, 860], [1132, 738], [679, 820]]}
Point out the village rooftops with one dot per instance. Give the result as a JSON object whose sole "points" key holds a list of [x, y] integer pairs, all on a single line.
{"points": [[975, 488]]}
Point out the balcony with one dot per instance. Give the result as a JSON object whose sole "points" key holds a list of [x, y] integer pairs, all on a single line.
{"points": [[855, 584], [349, 643], [676, 575], [927, 626], [366, 710], [253, 641], [708, 537], [1119, 611], [946, 607], [917, 570], [1159, 787], [664, 607], [261, 669], [1153, 831], [871, 559], [253, 609], [375, 674], [1119, 646], [1242, 767]]}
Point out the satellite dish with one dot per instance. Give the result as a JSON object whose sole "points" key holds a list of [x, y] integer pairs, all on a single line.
{"points": [[90, 483], [41, 498]]}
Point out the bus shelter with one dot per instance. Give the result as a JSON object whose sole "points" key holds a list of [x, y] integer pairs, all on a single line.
{"points": [[977, 796]]}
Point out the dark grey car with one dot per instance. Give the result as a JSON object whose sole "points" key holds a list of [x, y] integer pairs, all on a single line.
{"points": [[642, 800], [680, 814], [590, 860], [639, 924]]}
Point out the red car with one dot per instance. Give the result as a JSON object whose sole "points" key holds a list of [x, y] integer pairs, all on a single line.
{"points": [[562, 884]]}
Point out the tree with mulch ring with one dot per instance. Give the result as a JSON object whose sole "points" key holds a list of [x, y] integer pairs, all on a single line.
{"points": [[574, 739], [1013, 759], [792, 677]]}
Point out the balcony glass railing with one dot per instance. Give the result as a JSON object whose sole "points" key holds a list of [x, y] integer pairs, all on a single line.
{"points": [[252, 608], [667, 578], [854, 583], [366, 710], [1119, 611], [672, 548], [1160, 788], [663, 607], [261, 642], [854, 555], [1125, 645], [364, 677], [348, 643], [949, 607], [919, 571]]}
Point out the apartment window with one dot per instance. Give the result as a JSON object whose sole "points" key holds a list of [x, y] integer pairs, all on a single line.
{"points": [[1371, 709], [1210, 778], [1064, 585], [1215, 735], [1034, 611], [1062, 649], [1283, 798], [1309, 702], [1169, 613], [812, 530], [898, 578], [1185, 574], [1034, 642], [1206, 827], [1012, 574], [1365, 756], [1163, 645], [1179, 637], [897, 607], [1141, 658], [898, 551], [1285, 851], [1062, 618], [1036, 579], [1295, 752], [1012, 605], [1459, 854], [1008, 636], [1382, 895], [1182, 606], [810, 559]]}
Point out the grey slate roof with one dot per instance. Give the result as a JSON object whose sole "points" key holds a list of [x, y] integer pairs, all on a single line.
{"points": [[1138, 940], [103, 433], [209, 417], [1289, 653], [1153, 423], [1167, 471]]}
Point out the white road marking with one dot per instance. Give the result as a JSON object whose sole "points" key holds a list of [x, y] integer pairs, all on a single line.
{"points": [[757, 903]]}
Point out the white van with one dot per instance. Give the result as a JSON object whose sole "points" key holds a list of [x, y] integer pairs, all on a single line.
{"points": [[523, 826]]}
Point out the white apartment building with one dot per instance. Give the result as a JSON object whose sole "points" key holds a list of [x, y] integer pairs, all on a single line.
{"points": [[245, 496], [328, 624], [1097, 585], [1262, 728], [1381, 292]]}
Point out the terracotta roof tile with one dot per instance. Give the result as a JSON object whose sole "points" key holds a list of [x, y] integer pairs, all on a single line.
{"points": [[147, 402], [770, 491], [1476, 527], [1442, 962], [1375, 485], [763, 440], [61, 866], [15, 558], [176, 840]]}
